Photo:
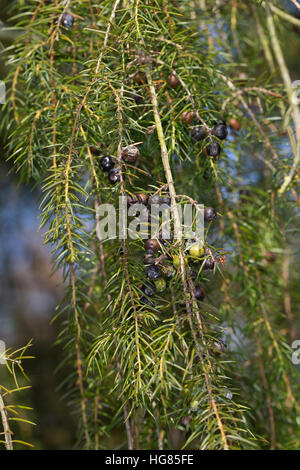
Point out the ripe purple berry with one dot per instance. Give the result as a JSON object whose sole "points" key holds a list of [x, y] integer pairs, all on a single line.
{"points": [[220, 131], [153, 272], [209, 263], [213, 149], [114, 176], [198, 133], [106, 163], [67, 20]]}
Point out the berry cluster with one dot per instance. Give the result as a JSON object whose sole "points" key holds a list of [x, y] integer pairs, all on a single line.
{"points": [[161, 261], [130, 154], [219, 130], [161, 268]]}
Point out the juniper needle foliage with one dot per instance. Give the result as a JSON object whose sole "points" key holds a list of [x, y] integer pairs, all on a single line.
{"points": [[194, 344]]}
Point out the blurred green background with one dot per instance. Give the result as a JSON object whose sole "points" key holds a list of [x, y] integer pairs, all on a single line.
{"points": [[28, 297]]}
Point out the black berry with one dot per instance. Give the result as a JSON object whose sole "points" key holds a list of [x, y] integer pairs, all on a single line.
{"points": [[106, 163], [198, 133], [220, 131], [114, 176], [209, 214], [213, 149], [153, 272], [67, 20]]}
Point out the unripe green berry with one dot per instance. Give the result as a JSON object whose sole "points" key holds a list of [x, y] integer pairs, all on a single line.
{"points": [[160, 284], [196, 251], [176, 261]]}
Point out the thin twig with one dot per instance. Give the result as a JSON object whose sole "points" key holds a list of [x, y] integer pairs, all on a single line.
{"points": [[7, 431]]}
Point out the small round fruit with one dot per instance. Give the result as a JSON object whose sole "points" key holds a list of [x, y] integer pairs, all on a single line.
{"points": [[176, 261], [153, 272], [235, 124], [152, 244], [142, 198], [198, 133], [220, 131], [209, 214], [130, 154], [148, 289], [114, 176], [187, 117], [149, 257], [67, 20], [213, 149], [173, 80], [199, 292], [160, 284], [106, 163], [195, 405], [209, 263], [196, 250]]}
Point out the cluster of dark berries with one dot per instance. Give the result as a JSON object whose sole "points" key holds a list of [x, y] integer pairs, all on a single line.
{"points": [[200, 132], [155, 274], [130, 154], [107, 165], [219, 130], [158, 269]]}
